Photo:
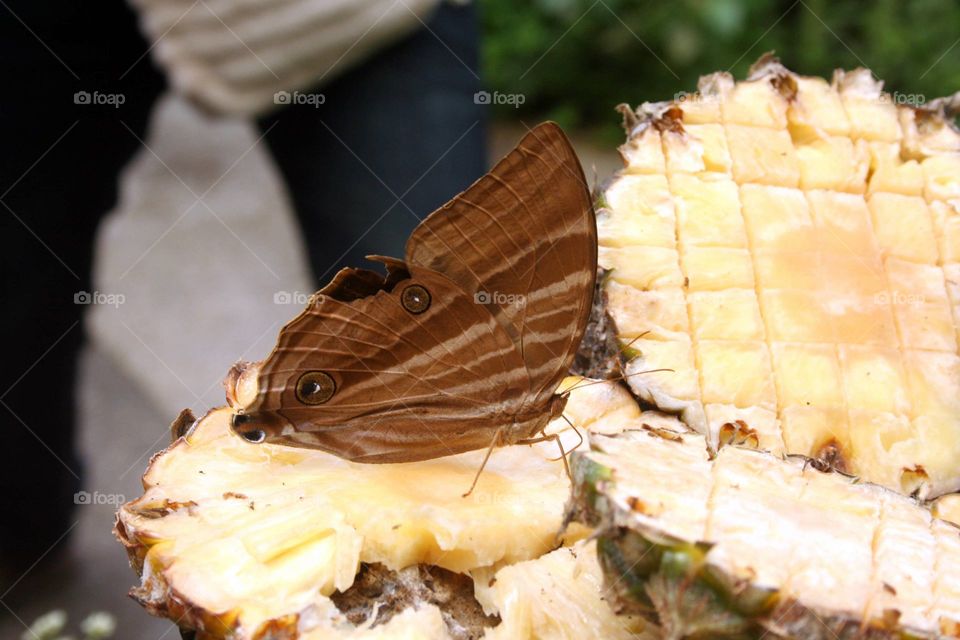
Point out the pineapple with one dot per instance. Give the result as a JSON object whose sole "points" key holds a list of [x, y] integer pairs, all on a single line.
{"points": [[947, 508], [788, 249], [559, 595], [251, 542], [747, 544]]}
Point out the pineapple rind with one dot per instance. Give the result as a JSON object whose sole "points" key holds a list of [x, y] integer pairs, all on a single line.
{"points": [[822, 224], [773, 545]]}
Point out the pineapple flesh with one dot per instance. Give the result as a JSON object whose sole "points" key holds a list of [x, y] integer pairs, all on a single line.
{"points": [[748, 544], [789, 250]]}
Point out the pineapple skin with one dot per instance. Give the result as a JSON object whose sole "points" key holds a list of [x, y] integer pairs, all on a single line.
{"points": [[789, 249], [676, 562]]}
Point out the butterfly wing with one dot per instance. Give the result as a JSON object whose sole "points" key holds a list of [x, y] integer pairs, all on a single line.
{"points": [[523, 240], [509, 266], [408, 385]]}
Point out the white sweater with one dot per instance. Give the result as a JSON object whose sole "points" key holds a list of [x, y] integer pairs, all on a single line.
{"points": [[234, 56]]}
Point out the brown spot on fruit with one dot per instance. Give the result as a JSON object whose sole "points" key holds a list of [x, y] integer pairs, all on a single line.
{"points": [[830, 456], [637, 505], [666, 434], [379, 593], [284, 628], [163, 509], [738, 433], [181, 424], [913, 479], [891, 619], [949, 628]]}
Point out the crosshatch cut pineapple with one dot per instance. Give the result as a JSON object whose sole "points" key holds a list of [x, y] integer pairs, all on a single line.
{"points": [[790, 249], [782, 255]]}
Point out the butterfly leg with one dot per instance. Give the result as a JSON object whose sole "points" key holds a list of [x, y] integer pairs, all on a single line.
{"points": [[493, 443], [555, 438], [575, 430]]}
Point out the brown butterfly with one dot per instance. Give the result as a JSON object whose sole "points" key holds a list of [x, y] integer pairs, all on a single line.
{"points": [[459, 347]]}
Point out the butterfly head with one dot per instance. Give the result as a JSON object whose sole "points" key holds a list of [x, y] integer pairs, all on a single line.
{"points": [[250, 419], [249, 427], [254, 419]]}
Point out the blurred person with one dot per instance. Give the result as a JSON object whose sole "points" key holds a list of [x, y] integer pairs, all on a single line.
{"points": [[398, 119]]}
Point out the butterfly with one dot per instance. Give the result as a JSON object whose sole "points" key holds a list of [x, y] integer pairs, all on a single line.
{"points": [[461, 345]]}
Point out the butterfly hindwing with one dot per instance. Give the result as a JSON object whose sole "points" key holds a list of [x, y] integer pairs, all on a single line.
{"points": [[407, 384], [523, 240]]}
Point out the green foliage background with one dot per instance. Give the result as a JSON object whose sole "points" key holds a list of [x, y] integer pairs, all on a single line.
{"points": [[574, 60]]}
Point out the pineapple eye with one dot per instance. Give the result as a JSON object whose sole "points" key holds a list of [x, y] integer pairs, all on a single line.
{"points": [[415, 299], [315, 387]]}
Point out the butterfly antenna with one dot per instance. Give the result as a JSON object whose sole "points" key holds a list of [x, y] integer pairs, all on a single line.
{"points": [[630, 344], [493, 443], [586, 382]]}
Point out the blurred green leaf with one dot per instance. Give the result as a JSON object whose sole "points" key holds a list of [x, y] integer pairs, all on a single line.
{"points": [[575, 60]]}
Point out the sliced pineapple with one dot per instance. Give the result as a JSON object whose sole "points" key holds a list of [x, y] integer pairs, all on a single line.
{"points": [[250, 534], [242, 541], [947, 508], [748, 544], [560, 596], [810, 285]]}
